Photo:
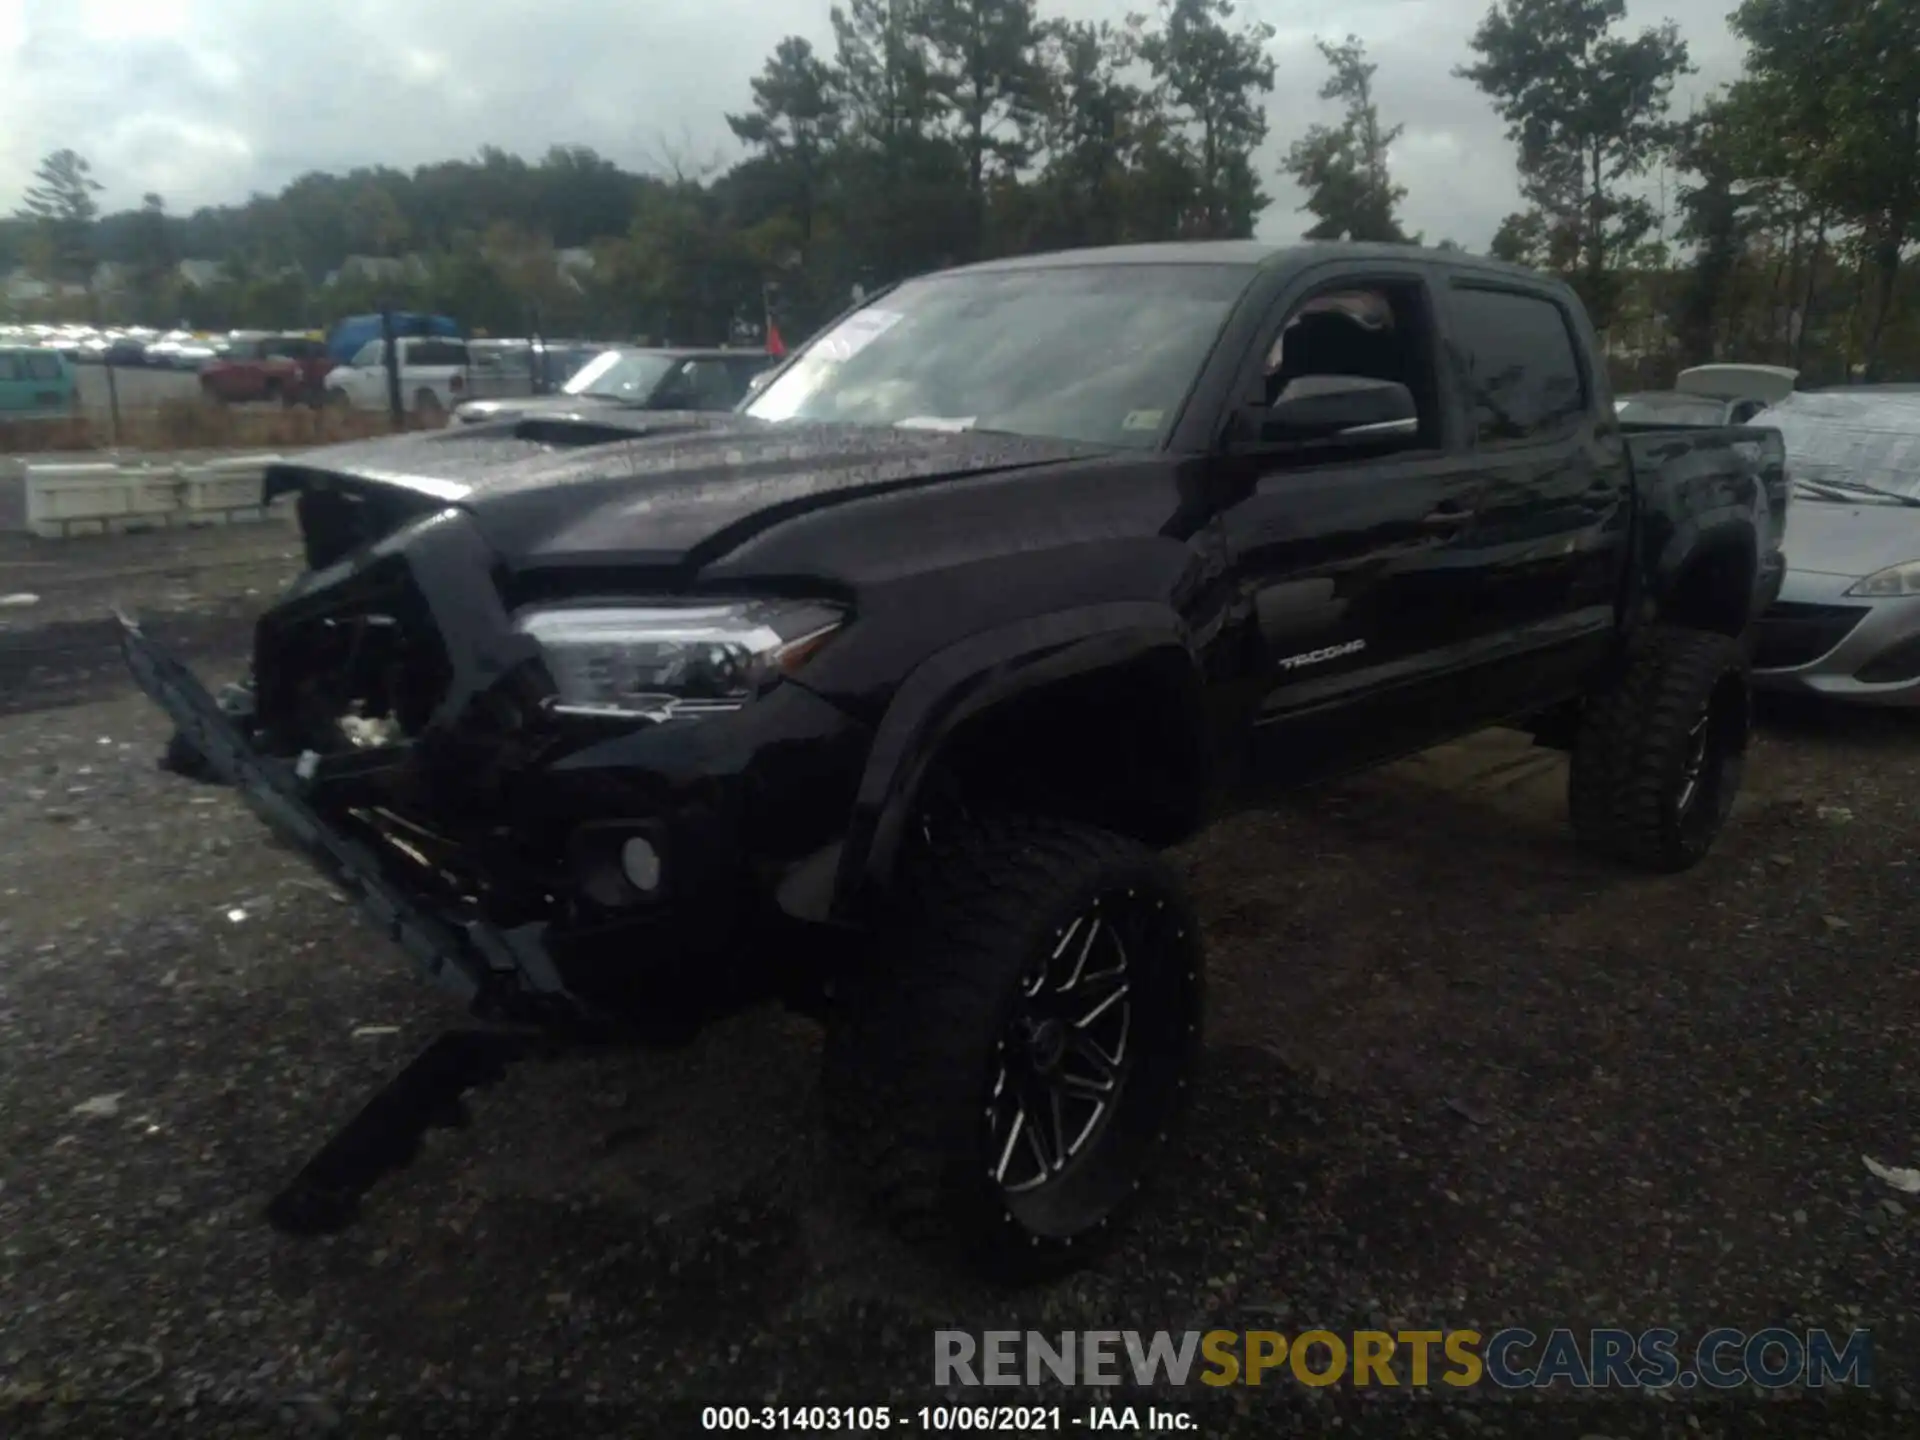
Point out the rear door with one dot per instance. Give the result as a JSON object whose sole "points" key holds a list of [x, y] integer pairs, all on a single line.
{"points": [[1551, 533], [436, 365], [712, 383], [745, 367]]}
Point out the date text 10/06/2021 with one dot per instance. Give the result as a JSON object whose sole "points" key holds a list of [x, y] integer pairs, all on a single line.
{"points": [[940, 1419]]}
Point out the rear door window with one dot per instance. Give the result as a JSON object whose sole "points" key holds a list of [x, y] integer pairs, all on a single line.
{"points": [[712, 385], [42, 366], [1517, 360], [450, 354], [745, 370]]}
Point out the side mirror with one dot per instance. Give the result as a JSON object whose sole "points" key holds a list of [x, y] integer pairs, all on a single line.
{"points": [[758, 381], [1325, 407]]}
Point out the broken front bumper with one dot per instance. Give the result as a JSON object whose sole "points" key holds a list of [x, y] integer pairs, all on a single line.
{"points": [[499, 973]]}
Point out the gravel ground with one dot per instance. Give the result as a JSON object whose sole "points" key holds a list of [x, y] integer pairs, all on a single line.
{"points": [[1456, 1076]]}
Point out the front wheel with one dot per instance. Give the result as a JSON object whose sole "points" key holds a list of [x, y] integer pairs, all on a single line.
{"points": [[1661, 751], [1005, 1076]]}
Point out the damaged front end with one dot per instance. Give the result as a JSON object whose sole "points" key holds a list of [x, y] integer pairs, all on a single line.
{"points": [[538, 859], [490, 969]]}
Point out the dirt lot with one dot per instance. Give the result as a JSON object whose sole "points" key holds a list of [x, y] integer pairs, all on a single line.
{"points": [[1457, 1077]]}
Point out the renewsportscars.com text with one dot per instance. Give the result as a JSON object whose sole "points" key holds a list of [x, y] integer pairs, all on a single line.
{"points": [[1512, 1359]]}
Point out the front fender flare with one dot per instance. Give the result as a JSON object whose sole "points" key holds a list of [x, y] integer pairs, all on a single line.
{"points": [[952, 686]]}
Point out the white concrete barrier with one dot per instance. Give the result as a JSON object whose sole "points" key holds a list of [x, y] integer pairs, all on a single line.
{"points": [[95, 497]]}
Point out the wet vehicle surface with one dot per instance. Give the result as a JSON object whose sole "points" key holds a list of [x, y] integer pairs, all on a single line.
{"points": [[898, 678]]}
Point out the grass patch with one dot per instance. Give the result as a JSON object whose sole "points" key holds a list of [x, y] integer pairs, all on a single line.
{"points": [[200, 425]]}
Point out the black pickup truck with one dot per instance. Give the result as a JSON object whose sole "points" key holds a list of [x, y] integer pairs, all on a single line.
{"points": [[895, 681]]}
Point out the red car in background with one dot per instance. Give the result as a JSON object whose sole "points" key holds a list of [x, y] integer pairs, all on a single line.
{"points": [[287, 368]]}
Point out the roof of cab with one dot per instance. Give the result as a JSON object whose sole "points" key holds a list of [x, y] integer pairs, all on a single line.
{"points": [[1253, 254]]}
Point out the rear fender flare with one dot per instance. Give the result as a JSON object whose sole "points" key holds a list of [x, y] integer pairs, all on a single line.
{"points": [[953, 686], [1729, 530], [1687, 507]]}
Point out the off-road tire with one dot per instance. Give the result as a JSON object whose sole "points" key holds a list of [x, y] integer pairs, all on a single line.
{"points": [[915, 1040], [1637, 740]]}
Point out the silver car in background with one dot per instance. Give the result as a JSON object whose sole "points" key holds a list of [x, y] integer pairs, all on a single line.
{"points": [[1847, 623]]}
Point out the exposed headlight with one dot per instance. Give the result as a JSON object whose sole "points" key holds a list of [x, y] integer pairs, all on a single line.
{"points": [[1902, 579], [664, 660]]}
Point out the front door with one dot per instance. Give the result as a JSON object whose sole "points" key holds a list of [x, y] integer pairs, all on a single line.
{"points": [[1354, 565]]}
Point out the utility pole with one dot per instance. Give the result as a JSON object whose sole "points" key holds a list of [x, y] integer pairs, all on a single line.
{"points": [[390, 349]]}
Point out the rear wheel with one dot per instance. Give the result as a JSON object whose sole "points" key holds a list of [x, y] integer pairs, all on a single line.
{"points": [[1005, 1075], [1661, 751]]}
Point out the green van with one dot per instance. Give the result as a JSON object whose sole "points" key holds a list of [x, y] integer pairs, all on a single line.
{"points": [[34, 381]]}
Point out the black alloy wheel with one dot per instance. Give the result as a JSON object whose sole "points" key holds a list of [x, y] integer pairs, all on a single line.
{"points": [[1008, 1068]]}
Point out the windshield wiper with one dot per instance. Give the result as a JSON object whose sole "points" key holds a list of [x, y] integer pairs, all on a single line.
{"points": [[1847, 489]]}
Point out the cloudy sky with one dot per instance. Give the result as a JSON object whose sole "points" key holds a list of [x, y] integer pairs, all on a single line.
{"points": [[207, 100]]}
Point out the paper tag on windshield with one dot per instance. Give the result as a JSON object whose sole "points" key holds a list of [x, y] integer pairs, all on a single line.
{"points": [[1143, 420], [855, 333], [951, 424]]}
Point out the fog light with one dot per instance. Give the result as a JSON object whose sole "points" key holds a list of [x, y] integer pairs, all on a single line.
{"points": [[640, 863]]}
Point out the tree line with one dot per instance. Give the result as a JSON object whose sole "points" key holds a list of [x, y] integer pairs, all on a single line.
{"points": [[1770, 223]]}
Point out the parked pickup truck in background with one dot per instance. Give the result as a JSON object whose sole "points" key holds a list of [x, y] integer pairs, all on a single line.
{"points": [[636, 378], [433, 376], [291, 369], [887, 688]]}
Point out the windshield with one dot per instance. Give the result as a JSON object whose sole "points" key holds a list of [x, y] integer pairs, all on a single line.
{"points": [[1098, 353], [1860, 439], [1670, 410], [620, 375]]}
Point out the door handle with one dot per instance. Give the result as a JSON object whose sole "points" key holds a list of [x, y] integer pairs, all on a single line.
{"points": [[1445, 517]]}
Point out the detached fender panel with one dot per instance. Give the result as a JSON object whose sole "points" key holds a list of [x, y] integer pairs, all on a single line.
{"points": [[962, 681]]}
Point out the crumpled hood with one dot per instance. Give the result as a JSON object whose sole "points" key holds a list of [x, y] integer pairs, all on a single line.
{"points": [[652, 488], [1826, 537]]}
